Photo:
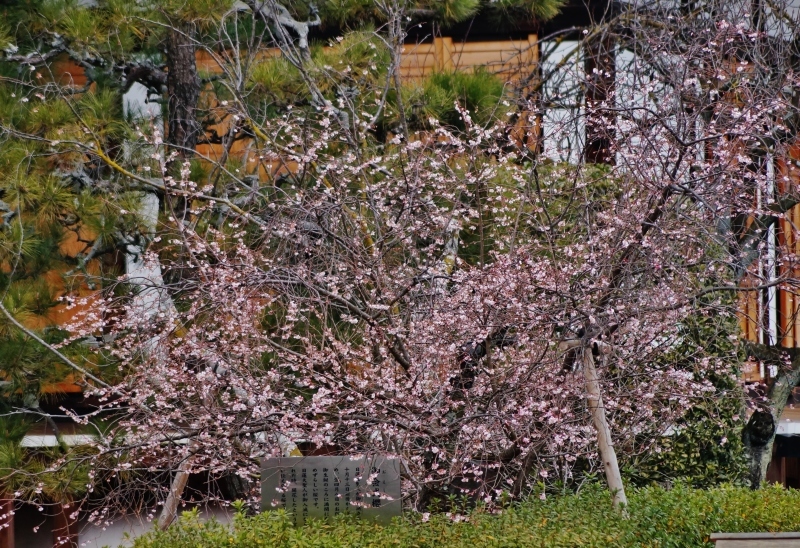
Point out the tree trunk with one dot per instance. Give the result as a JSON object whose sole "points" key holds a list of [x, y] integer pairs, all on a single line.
{"points": [[170, 511], [604, 443], [183, 90], [151, 301], [758, 435]]}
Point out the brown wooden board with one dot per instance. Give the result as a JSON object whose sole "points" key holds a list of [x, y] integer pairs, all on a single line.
{"points": [[756, 540]]}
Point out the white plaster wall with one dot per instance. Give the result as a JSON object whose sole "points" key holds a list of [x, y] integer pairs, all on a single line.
{"points": [[135, 102]]}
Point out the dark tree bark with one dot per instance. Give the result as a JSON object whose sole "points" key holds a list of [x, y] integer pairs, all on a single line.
{"points": [[183, 89], [152, 77], [758, 435], [600, 69]]}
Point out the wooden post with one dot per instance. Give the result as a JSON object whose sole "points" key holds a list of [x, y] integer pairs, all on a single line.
{"points": [[787, 304], [795, 311], [443, 53], [65, 526], [6, 521], [783, 471], [600, 69], [535, 137], [606, 447]]}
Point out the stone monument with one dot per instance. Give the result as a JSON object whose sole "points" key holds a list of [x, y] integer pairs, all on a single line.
{"points": [[323, 487]]}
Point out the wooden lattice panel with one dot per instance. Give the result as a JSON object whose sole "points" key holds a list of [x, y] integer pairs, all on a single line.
{"points": [[509, 59]]}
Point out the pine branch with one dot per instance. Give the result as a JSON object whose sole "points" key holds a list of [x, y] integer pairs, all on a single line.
{"points": [[51, 348]]}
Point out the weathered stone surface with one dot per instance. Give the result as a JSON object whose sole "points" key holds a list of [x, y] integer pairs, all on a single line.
{"points": [[322, 487]]}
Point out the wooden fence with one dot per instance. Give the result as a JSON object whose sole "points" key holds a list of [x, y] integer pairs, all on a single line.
{"points": [[513, 61], [509, 59]]}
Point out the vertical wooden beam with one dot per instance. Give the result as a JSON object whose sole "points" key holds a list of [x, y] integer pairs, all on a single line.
{"points": [[742, 313], [6, 521], [443, 48], [782, 464], [438, 54], [599, 65], [748, 311], [535, 134], [447, 52], [65, 527], [527, 130], [786, 302], [789, 309], [533, 41], [795, 271], [745, 304]]}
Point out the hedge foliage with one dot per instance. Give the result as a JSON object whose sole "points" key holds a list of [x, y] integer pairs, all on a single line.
{"points": [[657, 517]]}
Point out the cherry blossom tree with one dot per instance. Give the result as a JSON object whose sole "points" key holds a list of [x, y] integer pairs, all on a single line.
{"points": [[336, 307], [368, 276]]}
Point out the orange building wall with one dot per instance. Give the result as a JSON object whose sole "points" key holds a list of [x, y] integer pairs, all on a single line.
{"points": [[787, 170]]}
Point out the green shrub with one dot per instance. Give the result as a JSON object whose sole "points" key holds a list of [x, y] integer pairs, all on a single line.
{"points": [[479, 92], [706, 448], [657, 517]]}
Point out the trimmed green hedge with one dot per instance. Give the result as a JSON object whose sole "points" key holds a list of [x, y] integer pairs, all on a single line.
{"points": [[678, 517]]}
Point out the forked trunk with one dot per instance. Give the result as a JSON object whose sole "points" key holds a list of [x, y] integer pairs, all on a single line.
{"points": [[758, 434]]}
